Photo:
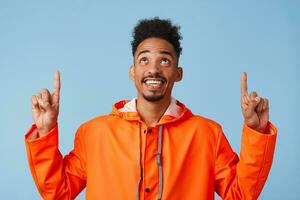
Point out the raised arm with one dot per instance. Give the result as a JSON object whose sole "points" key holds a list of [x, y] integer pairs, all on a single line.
{"points": [[55, 177], [243, 177]]}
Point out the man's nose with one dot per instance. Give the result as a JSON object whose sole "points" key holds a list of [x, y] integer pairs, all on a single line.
{"points": [[154, 68]]}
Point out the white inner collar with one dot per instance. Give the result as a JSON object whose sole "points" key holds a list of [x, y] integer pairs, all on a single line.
{"points": [[173, 109]]}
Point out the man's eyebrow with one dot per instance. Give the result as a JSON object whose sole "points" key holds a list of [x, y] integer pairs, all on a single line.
{"points": [[167, 53], [144, 51]]}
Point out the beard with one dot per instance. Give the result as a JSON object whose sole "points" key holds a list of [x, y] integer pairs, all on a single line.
{"points": [[153, 98]]}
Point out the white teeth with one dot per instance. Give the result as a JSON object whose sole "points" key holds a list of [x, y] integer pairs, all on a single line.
{"points": [[153, 82]]}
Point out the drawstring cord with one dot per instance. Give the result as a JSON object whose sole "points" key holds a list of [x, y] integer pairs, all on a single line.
{"points": [[140, 164], [159, 164]]}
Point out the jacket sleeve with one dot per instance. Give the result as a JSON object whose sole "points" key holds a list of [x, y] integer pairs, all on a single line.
{"points": [[244, 177], [56, 177]]}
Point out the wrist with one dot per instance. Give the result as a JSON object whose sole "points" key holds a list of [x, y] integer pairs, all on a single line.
{"points": [[45, 130], [263, 130]]}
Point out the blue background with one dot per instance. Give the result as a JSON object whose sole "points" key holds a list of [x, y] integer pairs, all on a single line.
{"points": [[89, 42]]}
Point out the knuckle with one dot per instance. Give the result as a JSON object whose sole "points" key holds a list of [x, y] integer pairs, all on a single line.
{"points": [[44, 92]]}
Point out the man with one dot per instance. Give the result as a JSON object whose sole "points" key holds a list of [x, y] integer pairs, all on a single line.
{"points": [[152, 147]]}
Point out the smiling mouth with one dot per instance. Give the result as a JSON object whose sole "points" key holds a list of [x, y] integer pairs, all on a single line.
{"points": [[153, 82]]}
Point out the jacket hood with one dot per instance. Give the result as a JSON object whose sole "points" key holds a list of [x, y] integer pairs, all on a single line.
{"points": [[176, 111]]}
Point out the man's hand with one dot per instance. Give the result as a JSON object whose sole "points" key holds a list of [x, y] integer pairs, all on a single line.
{"points": [[255, 109], [45, 107]]}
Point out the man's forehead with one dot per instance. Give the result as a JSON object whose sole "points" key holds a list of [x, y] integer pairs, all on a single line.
{"points": [[157, 46]]}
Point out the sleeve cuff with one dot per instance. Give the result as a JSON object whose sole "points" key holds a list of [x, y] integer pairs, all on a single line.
{"points": [[271, 130], [264, 144], [33, 128]]}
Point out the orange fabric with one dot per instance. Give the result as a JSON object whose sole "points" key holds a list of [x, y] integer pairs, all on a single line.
{"points": [[197, 159]]}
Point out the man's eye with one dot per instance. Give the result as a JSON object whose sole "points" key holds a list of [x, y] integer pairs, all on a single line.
{"points": [[143, 60], [165, 61]]}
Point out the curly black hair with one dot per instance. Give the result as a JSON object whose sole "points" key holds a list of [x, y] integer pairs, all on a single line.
{"points": [[156, 28]]}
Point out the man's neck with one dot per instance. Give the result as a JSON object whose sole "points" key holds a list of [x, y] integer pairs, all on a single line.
{"points": [[151, 112]]}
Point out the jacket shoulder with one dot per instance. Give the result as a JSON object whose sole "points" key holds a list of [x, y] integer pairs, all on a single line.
{"points": [[205, 120], [95, 128], [206, 123], [95, 122]]}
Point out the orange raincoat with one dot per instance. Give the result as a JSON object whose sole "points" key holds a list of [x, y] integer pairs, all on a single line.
{"points": [[185, 157]]}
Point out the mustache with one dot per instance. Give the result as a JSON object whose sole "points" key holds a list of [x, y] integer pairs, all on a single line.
{"points": [[163, 79]]}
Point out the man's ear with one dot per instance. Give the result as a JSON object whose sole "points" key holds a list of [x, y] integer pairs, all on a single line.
{"points": [[131, 72], [179, 74]]}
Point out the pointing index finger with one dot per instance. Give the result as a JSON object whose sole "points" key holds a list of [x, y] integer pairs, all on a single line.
{"points": [[56, 87], [244, 90]]}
